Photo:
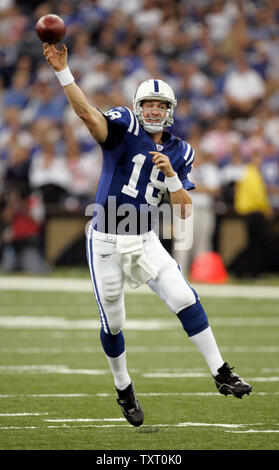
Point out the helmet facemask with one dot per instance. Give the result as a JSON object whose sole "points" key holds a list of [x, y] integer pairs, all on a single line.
{"points": [[150, 122]]}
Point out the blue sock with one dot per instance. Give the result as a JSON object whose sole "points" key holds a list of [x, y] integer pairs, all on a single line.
{"points": [[113, 345], [193, 318]]}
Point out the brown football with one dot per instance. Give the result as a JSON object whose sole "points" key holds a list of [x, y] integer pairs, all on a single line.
{"points": [[51, 29]]}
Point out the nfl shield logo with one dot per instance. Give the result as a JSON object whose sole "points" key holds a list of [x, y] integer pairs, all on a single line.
{"points": [[159, 147]]}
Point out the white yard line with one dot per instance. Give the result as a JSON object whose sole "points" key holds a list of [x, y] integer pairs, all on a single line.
{"points": [[138, 349], [22, 414], [72, 420], [85, 285], [65, 426], [221, 425], [227, 427], [48, 322], [256, 431], [263, 379], [205, 425], [50, 369], [169, 375], [105, 395], [66, 324], [48, 395], [62, 369]]}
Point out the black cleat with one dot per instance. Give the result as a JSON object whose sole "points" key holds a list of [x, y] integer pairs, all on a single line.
{"points": [[130, 406], [228, 383]]}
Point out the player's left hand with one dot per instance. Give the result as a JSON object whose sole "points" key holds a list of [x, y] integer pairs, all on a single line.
{"points": [[162, 162]]}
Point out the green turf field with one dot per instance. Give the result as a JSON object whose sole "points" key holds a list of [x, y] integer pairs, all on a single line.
{"points": [[57, 392]]}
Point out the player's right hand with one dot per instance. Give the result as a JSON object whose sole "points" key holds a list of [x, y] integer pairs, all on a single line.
{"points": [[57, 59]]}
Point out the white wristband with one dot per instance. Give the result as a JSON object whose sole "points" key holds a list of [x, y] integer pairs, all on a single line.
{"points": [[173, 183], [65, 77]]}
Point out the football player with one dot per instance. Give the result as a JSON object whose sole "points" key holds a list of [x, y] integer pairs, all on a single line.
{"points": [[141, 162]]}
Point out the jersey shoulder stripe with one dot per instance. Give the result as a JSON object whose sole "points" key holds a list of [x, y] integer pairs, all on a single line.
{"points": [[134, 124], [189, 154], [136, 132], [121, 121], [132, 121], [191, 157]]}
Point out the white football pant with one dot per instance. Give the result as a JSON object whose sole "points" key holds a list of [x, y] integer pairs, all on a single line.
{"points": [[110, 266]]}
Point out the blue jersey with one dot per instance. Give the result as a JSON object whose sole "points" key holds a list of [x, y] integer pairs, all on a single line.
{"points": [[129, 176]]}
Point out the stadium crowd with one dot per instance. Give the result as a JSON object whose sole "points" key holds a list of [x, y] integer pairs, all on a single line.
{"points": [[221, 58]]}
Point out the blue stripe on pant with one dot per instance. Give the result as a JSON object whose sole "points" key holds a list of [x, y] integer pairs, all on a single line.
{"points": [[113, 345], [89, 252]]}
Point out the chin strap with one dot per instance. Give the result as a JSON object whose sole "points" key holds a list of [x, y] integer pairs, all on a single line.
{"points": [[153, 129]]}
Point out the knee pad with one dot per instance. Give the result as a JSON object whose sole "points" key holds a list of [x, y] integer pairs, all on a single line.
{"points": [[112, 288], [175, 291], [183, 299], [115, 315], [112, 300], [115, 329]]}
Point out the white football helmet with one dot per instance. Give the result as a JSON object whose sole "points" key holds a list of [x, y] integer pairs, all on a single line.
{"points": [[159, 91]]}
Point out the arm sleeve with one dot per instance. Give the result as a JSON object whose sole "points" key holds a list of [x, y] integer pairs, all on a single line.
{"points": [[186, 167], [120, 120]]}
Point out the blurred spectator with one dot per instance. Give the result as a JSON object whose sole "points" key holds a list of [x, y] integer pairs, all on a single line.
{"points": [[148, 18], [251, 194], [218, 72], [251, 201], [220, 19], [230, 174], [83, 56], [220, 139], [47, 105], [195, 79], [206, 177], [96, 78], [49, 171], [131, 7], [271, 127], [12, 132], [244, 88], [17, 94], [17, 166], [84, 167], [2, 91], [259, 60], [208, 104], [91, 14], [184, 119], [12, 24], [270, 172], [22, 218], [255, 141], [67, 11]]}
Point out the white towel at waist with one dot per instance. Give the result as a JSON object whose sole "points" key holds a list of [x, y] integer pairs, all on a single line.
{"points": [[136, 266]]}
